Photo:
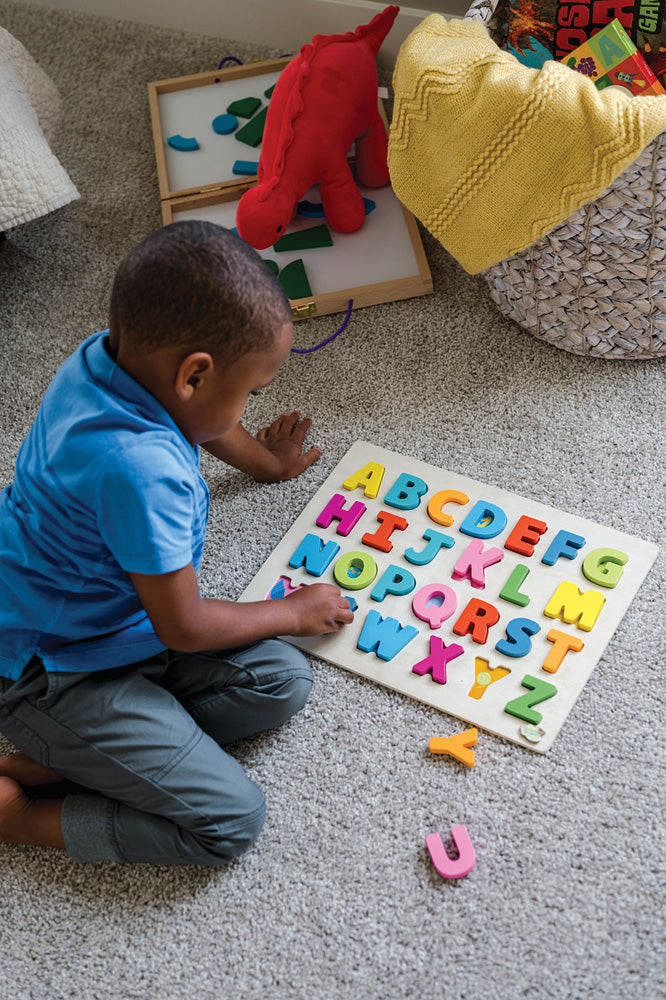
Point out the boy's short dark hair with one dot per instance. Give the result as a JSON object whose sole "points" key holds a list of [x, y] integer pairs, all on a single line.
{"points": [[194, 282]]}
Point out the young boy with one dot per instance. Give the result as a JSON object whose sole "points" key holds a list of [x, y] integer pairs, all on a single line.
{"points": [[115, 674]]}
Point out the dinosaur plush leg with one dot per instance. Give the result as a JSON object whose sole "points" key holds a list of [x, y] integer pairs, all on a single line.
{"points": [[342, 201], [371, 166]]}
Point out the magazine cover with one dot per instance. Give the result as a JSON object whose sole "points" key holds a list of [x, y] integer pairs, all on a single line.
{"points": [[538, 30]]}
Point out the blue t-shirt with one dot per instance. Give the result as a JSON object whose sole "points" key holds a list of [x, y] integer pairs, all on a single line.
{"points": [[105, 485]]}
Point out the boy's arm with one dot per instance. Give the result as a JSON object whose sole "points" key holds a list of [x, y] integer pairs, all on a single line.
{"points": [[274, 455], [187, 622]]}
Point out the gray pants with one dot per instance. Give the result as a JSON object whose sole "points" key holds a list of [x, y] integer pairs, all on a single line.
{"points": [[145, 743]]}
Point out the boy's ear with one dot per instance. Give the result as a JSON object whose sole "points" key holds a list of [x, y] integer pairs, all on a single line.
{"points": [[193, 371]]}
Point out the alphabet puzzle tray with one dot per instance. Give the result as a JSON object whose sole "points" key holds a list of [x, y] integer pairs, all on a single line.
{"points": [[486, 605]]}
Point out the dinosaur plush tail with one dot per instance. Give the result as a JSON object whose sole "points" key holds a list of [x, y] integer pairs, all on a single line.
{"points": [[375, 32]]}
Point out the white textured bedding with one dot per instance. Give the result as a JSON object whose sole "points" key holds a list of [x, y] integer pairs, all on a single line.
{"points": [[32, 180]]}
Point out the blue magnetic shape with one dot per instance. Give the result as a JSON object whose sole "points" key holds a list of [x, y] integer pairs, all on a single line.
{"points": [[225, 124], [183, 144], [370, 205], [353, 605], [311, 209], [247, 168]]}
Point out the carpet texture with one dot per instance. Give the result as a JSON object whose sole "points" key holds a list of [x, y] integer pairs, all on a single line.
{"points": [[339, 899]]}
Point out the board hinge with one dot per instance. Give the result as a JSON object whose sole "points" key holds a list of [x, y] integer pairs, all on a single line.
{"points": [[305, 310]]}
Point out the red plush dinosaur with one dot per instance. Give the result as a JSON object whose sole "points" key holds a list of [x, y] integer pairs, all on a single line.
{"points": [[324, 100]]}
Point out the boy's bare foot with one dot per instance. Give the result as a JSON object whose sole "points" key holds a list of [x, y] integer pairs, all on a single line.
{"points": [[28, 821], [26, 771]]}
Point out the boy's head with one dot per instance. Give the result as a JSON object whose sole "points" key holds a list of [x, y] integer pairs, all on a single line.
{"points": [[198, 285], [200, 321]]}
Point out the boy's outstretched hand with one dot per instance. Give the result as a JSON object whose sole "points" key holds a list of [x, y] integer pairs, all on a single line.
{"points": [[284, 439], [274, 455]]}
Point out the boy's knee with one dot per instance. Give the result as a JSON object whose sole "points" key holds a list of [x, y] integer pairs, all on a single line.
{"points": [[230, 836], [294, 690], [299, 688], [283, 672]]}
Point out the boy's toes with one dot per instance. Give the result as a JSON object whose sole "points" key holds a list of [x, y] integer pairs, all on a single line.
{"points": [[13, 803], [26, 771]]}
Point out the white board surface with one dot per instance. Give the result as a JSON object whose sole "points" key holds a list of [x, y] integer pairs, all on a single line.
{"points": [[190, 113]]}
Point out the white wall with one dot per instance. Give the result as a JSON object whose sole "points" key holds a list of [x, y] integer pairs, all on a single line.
{"points": [[285, 24]]}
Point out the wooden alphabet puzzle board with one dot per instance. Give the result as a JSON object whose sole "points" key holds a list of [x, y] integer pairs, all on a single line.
{"points": [[488, 606], [383, 261]]}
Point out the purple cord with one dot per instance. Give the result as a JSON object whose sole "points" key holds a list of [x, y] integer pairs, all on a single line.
{"points": [[309, 350], [239, 62]]}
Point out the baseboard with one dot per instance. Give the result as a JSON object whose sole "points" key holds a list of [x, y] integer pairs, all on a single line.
{"points": [[285, 24]]}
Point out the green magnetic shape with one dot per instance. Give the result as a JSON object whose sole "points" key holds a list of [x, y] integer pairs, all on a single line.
{"points": [[269, 93], [355, 570], [245, 108], [604, 566], [253, 132], [511, 591], [305, 239], [294, 280], [272, 266], [522, 707]]}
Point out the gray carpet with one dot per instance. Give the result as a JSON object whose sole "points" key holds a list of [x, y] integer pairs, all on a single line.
{"points": [[339, 899]]}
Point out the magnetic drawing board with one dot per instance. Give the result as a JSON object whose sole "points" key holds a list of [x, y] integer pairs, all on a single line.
{"points": [[486, 605], [382, 262]]}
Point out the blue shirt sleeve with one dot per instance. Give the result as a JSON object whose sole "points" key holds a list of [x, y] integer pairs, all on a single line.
{"points": [[146, 507]]}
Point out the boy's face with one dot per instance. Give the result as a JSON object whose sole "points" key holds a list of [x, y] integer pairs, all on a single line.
{"points": [[231, 387]]}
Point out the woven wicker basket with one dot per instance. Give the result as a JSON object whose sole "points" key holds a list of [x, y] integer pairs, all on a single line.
{"points": [[596, 284]]}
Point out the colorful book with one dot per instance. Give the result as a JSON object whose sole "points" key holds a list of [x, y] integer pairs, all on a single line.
{"points": [[538, 30], [610, 59]]}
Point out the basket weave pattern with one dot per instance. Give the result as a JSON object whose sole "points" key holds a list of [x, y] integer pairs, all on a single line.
{"points": [[596, 284]]}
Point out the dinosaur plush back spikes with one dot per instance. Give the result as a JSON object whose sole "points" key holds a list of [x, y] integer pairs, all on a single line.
{"points": [[324, 100]]}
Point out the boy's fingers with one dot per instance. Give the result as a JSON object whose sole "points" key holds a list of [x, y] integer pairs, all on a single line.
{"points": [[289, 422], [310, 457], [300, 430]]}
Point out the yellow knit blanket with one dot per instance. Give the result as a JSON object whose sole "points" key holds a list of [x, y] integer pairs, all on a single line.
{"points": [[490, 154]]}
